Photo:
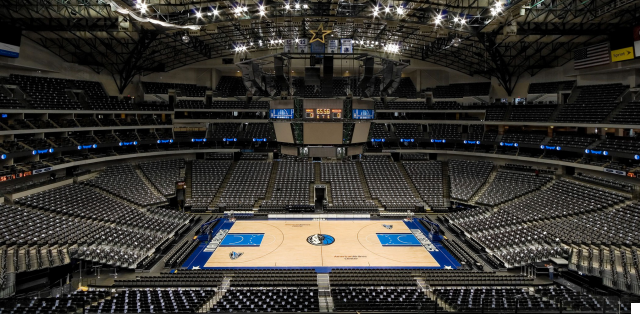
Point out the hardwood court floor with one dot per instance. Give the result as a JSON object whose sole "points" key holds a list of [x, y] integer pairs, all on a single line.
{"points": [[356, 245]]}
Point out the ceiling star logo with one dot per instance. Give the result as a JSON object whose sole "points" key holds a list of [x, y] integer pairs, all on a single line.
{"points": [[318, 33]]}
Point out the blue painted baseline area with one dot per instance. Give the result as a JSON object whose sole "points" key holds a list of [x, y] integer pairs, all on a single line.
{"points": [[443, 257], [242, 239], [398, 239]]}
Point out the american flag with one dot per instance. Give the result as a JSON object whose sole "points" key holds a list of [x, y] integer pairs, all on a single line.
{"points": [[591, 56]]}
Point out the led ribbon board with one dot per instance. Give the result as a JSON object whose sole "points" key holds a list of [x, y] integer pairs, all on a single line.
{"points": [[42, 151], [362, 114], [87, 146], [596, 152], [281, 113]]}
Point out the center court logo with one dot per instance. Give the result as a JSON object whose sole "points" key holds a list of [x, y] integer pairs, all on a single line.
{"points": [[320, 239]]}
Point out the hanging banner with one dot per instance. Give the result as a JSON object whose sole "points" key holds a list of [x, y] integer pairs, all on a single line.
{"points": [[288, 45], [317, 47], [346, 45], [303, 45], [333, 46]]}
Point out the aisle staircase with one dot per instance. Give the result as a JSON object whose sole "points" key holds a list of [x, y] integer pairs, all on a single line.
{"points": [[407, 179], [272, 183], [187, 178], [365, 186], [214, 202], [485, 186], [324, 293], [446, 186], [146, 181]]}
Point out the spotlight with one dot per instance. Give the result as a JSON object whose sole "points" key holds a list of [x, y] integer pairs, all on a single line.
{"points": [[392, 48], [186, 39], [215, 11], [142, 6], [262, 10], [400, 11], [438, 19], [297, 6], [387, 10], [287, 7], [198, 15], [305, 6]]}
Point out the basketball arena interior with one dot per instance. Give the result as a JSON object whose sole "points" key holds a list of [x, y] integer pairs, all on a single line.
{"points": [[347, 156]]}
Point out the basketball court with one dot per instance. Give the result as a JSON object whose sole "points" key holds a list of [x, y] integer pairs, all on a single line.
{"points": [[317, 244]]}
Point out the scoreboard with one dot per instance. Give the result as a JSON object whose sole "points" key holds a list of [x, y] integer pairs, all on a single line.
{"points": [[323, 113]]}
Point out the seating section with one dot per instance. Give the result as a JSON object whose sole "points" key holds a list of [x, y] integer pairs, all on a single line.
{"points": [[571, 141], [385, 299], [446, 105], [275, 277], [225, 130], [550, 87], [379, 131], [593, 104], [164, 174], [291, 185], [532, 113], [347, 192], [110, 103], [427, 178], [509, 234], [268, 300], [545, 299], [248, 182], [259, 131], [403, 105], [155, 301], [408, 131], [345, 278], [183, 278], [9, 103], [190, 104], [67, 303], [206, 178], [509, 185], [586, 113], [458, 278], [45, 92], [623, 186], [495, 113], [629, 114], [230, 86], [466, 177], [620, 144], [124, 182], [106, 230], [154, 106], [599, 228], [388, 185], [523, 138], [186, 90], [462, 90], [445, 131]]}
